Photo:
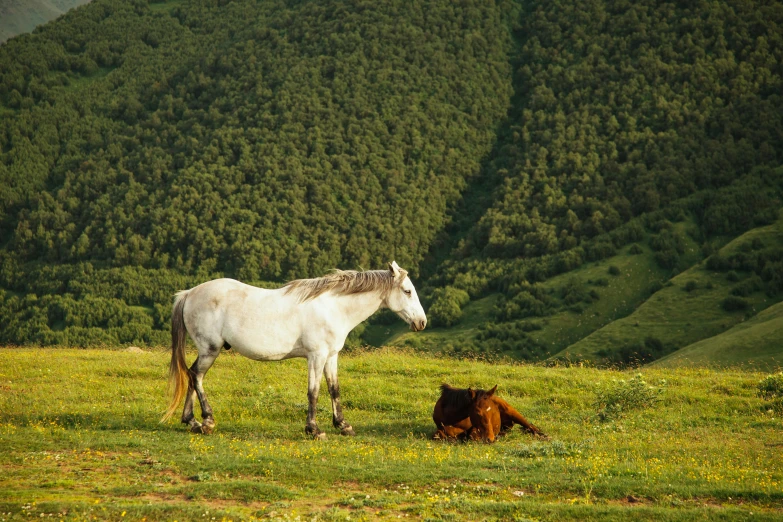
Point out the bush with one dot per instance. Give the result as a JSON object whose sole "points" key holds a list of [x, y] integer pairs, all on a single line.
{"points": [[748, 286], [446, 308], [690, 286], [667, 258], [613, 270], [771, 387], [527, 303], [635, 249], [734, 303], [622, 396]]}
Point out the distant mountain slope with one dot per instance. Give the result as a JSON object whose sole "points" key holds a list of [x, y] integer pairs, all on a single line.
{"points": [[22, 16], [757, 342]]}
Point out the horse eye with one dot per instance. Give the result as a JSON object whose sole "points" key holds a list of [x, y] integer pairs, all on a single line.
{"points": [[407, 292]]}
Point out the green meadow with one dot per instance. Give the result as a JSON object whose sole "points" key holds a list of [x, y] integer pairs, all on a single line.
{"points": [[81, 440]]}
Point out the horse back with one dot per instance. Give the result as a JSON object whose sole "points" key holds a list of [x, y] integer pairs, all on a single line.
{"points": [[256, 322]]}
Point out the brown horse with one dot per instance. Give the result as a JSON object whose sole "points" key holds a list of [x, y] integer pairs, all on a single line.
{"points": [[475, 415]]}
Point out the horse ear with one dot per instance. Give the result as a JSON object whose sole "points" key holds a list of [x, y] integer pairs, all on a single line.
{"points": [[472, 393], [491, 392], [394, 269]]}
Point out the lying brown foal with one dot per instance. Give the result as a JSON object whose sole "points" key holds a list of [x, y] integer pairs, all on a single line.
{"points": [[475, 415]]}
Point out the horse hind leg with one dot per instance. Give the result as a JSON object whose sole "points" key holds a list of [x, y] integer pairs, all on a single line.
{"points": [[187, 412], [200, 367]]}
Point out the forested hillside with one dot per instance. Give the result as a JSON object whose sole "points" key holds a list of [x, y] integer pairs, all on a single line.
{"points": [[489, 149]]}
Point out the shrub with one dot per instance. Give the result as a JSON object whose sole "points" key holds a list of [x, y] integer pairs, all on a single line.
{"points": [[691, 285], [732, 276], [667, 258], [622, 396], [613, 270], [635, 249], [524, 304], [655, 287], [734, 303], [771, 387], [748, 286], [447, 303]]}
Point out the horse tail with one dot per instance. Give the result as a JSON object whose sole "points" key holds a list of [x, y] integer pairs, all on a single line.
{"points": [[178, 369]]}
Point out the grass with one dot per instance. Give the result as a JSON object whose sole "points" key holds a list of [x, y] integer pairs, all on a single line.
{"points": [[81, 439], [679, 317], [755, 342]]}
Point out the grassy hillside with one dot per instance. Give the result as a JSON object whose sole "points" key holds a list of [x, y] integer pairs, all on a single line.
{"points": [[693, 306], [756, 342], [706, 447]]}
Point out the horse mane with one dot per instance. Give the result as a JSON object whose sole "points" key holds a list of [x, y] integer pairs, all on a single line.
{"points": [[458, 397], [344, 282]]}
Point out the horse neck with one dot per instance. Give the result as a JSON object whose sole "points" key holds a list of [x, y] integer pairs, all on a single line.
{"points": [[355, 308]]}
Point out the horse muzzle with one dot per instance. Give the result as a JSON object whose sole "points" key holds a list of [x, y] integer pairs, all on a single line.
{"points": [[418, 326]]}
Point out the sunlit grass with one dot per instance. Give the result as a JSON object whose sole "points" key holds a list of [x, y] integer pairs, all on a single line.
{"points": [[80, 436]]}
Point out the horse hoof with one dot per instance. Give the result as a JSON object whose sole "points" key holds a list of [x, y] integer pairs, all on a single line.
{"points": [[196, 428], [348, 430], [206, 429], [319, 436]]}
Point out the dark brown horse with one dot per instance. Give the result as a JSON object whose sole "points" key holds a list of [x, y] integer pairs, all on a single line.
{"points": [[475, 415]]}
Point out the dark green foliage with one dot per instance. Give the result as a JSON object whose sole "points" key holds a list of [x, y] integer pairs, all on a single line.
{"points": [[635, 249], [530, 301], [446, 307], [628, 107], [690, 286], [613, 270], [636, 354], [734, 303], [750, 285], [762, 261], [511, 337]]}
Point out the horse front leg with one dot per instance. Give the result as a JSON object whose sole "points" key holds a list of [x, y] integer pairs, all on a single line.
{"points": [[338, 421], [315, 369], [509, 416]]}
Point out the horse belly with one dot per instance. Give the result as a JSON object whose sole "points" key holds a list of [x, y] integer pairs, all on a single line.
{"points": [[270, 336], [264, 345]]}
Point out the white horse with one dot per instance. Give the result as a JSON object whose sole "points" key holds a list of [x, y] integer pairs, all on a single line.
{"points": [[307, 318]]}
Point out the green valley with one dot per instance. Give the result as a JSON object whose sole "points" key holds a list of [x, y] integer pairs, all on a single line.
{"points": [[598, 182]]}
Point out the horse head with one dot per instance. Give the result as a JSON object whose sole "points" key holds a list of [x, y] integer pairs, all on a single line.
{"points": [[484, 415], [403, 299]]}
